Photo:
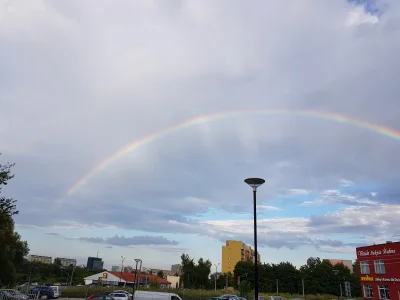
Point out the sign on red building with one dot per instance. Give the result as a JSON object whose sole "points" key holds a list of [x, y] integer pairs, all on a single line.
{"points": [[379, 269]]}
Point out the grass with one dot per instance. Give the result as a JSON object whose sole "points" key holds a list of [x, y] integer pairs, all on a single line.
{"points": [[84, 292]]}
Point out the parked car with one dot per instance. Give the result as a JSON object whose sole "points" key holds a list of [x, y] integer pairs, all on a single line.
{"points": [[41, 292], [56, 290], [228, 297], [100, 297], [276, 298], [145, 295], [120, 296]]}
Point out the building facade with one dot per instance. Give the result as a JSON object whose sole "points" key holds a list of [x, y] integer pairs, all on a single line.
{"points": [[125, 279], [94, 263], [235, 251], [176, 269], [40, 258], [66, 262], [115, 268], [379, 269], [346, 262]]}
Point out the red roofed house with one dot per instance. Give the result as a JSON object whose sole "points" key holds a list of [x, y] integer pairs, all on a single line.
{"points": [[127, 279]]}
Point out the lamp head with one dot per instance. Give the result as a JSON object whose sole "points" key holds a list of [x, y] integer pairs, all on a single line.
{"points": [[254, 182]]}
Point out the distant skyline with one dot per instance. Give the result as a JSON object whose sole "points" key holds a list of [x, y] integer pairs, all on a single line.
{"points": [[134, 124]]}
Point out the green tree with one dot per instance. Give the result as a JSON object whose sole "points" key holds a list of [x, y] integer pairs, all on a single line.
{"points": [[12, 248], [195, 275], [160, 274], [244, 270], [154, 284]]}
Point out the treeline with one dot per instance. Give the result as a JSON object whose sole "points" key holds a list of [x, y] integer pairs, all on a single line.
{"points": [[51, 273], [316, 276]]}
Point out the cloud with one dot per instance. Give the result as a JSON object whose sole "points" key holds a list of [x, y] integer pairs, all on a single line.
{"points": [[96, 81], [337, 197], [52, 233], [267, 207], [296, 232], [129, 241]]}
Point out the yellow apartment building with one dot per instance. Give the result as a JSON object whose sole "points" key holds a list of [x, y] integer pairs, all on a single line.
{"points": [[233, 252]]}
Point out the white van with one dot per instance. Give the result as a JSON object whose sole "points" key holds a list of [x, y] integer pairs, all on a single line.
{"points": [[142, 295], [57, 290]]}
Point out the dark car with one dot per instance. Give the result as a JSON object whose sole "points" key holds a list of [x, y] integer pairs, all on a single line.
{"points": [[100, 297], [41, 292]]}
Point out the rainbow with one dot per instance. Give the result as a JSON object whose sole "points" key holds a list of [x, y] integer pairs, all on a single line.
{"points": [[339, 118]]}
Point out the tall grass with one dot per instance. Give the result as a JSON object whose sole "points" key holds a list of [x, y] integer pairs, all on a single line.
{"points": [[84, 292]]}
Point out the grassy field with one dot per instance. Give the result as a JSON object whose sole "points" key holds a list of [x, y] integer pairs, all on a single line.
{"points": [[84, 292]]}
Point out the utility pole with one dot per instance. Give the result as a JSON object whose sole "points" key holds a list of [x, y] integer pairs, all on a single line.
{"points": [[341, 293], [277, 286], [302, 283], [216, 268], [122, 267], [72, 275]]}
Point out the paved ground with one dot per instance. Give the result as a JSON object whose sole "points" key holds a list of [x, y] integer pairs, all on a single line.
{"points": [[71, 298]]}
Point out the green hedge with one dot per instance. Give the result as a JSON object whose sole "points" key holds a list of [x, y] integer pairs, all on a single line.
{"points": [[84, 292]]}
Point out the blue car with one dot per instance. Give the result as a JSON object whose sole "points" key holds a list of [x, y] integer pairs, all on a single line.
{"points": [[41, 292]]}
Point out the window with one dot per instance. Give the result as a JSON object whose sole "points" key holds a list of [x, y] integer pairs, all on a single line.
{"points": [[364, 266], [368, 292], [379, 267], [383, 292]]}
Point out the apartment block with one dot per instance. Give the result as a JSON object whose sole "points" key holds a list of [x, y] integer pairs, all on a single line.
{"points": [[235, 251], [66, 262], [176, 269], [40, 258]]}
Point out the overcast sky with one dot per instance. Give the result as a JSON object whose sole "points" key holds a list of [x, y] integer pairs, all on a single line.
{"points": [[98, 105]]}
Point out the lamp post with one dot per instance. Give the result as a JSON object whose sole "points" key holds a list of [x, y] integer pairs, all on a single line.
{"points": [[216, 268], [137, 276], [133, 287], [122, 267], [255, 183], [72, 275]]}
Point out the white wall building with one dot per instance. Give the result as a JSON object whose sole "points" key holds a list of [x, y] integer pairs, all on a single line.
{"points": [[40, 258], [110, 280]]}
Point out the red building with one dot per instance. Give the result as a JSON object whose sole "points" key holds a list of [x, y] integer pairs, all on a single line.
{"points": [[379, 269]]}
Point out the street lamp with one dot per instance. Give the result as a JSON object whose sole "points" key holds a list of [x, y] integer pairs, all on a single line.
{"points": [[216, 268], [122, 267], [255, 183], [72, 275], [137, 260]]}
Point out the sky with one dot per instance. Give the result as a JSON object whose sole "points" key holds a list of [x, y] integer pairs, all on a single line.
{"points": [[133, 125]]}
